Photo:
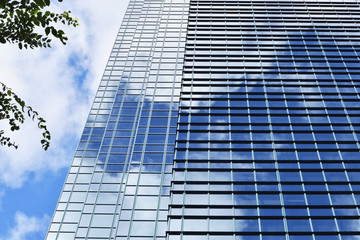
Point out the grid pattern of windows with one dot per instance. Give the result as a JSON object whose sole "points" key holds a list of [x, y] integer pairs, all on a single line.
{"points": [[259, 100], [267, 142], [118, 186]]}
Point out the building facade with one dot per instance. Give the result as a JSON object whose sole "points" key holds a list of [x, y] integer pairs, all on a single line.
{"points": [[222, 120]]}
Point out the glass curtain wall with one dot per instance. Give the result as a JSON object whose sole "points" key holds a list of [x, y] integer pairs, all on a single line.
{"points": [[267, 142], [118, 186], [259, 99]]}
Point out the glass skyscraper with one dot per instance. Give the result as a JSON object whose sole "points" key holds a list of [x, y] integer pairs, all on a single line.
{"points": [[222, 120]]}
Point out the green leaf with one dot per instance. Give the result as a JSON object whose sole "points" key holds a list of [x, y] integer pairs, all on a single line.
{"points": [[54, 32], [47, 30]]}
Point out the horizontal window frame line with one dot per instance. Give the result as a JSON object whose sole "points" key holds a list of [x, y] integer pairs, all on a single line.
{"points": [[277, 233]]}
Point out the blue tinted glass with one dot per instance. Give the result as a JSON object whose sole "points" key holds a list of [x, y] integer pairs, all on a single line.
{"points": [[272, 225]]}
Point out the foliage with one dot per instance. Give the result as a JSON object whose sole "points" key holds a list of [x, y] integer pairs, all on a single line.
{"points": [[13, 109], [21, 20], [27, 24]]}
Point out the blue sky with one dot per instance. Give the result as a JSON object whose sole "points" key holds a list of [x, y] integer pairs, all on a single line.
{"points": [[60, 84]]}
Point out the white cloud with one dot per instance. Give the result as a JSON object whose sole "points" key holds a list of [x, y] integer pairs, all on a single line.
{"points": [[47, 79], [25, 227]]}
